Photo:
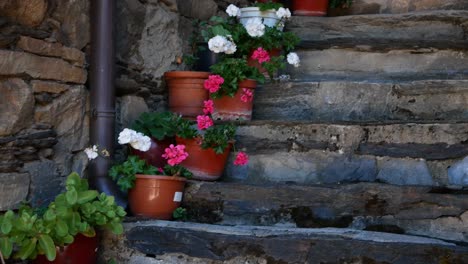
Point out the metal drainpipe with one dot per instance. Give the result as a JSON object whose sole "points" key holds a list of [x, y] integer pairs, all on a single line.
{"points": [[103, 97]]}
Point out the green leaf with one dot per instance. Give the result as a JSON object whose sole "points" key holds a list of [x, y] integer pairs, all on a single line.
{"points": [[6, 226], [73, 179], [61, 228], [6, 247], [27, 249], [86, 196], [48, 245], [49, 215], [116, 228], [72, 196]]}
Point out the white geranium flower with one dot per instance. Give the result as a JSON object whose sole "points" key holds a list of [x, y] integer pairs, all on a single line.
{"points": [[233, 11], [230, 47], [217, 44], [127, 136], [92, 152], [255, 27], [293, 59], [283, 13], [141, 142]]}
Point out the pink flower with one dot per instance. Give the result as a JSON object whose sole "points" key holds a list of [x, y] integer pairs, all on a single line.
{"points": [[175, 154], [241, 159], [247, 95], [213, 83], [161, 170], [204, 122], [208, 107], [261, 55]]}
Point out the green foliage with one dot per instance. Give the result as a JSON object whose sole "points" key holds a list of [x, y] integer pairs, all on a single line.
{"points": [[124, 174], [268, 5], [234, 70], [77, 210], [159, 125], [340, 3], [180, 214], [177, 170], [186, 129], [218, 137]]}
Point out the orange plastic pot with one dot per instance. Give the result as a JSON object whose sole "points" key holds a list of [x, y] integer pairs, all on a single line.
{"points": [[310, 7], [156, 196], [186, 92], [82, 250], [233, 108], [205, 164], [153, 156]]}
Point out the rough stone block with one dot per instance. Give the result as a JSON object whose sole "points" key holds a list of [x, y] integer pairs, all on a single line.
{"points": [[404, 172], [45, 182], [131, 107], [41, 47], [198, 9], [19, 63], [48, 87], [74, 21], [458, 173], [14, 188], [29, 13], [16, 106]]}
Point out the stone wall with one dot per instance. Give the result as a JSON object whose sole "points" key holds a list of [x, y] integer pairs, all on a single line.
{"points": [[44, 99]]}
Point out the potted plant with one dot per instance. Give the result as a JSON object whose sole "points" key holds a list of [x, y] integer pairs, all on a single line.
{"points": [[233, 93], [265, 10], [200, 57], [339, 7], [208, 145], [161, 128], [153, 192], [64, 231]]}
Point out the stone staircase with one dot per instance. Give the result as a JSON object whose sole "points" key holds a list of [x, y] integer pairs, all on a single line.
{"points": [[351, 160]]}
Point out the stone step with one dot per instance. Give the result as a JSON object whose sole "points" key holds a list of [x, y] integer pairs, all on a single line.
{"points": [[431, 29], [363, 101], [394, 65], [397, 7], [176, 242], [307, 153], [425, 211]]}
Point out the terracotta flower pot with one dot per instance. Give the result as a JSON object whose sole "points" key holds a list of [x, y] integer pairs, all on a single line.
{"points": [[233, 108], [154, 155], [186, 92], [156, 196], [269, 17], [205, 164], [310, 7], [82, 250]]}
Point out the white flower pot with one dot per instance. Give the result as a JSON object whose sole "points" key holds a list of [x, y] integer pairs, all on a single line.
{"points": [[269, 16]]}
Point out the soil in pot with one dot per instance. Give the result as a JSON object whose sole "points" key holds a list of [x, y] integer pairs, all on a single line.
{"points": [[82, 250], [205, 164], [310, 7], [238, 107], [156, 196], [153, 156], [186, 92]]}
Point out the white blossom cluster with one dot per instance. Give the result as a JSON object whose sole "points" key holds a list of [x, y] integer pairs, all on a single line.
{"points": [[136, 139], [220, 44], [283, 13], [92, 152], [233, 11], [293, 59], [255, 27]]}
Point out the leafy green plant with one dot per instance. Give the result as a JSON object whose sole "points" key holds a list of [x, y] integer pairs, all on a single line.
{"points": [[268, 5], [340, 3], [233, 71], [159, 125], [180, 213], [217, 137], [124, 174], [27, 234]]}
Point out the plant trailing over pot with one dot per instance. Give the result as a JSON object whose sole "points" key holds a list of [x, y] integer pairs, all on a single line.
{"points": [[30, 233], [208, 146]]}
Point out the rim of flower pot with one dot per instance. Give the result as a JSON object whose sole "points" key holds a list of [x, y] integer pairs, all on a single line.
{"points": [[160, 177], [186, 74]]}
